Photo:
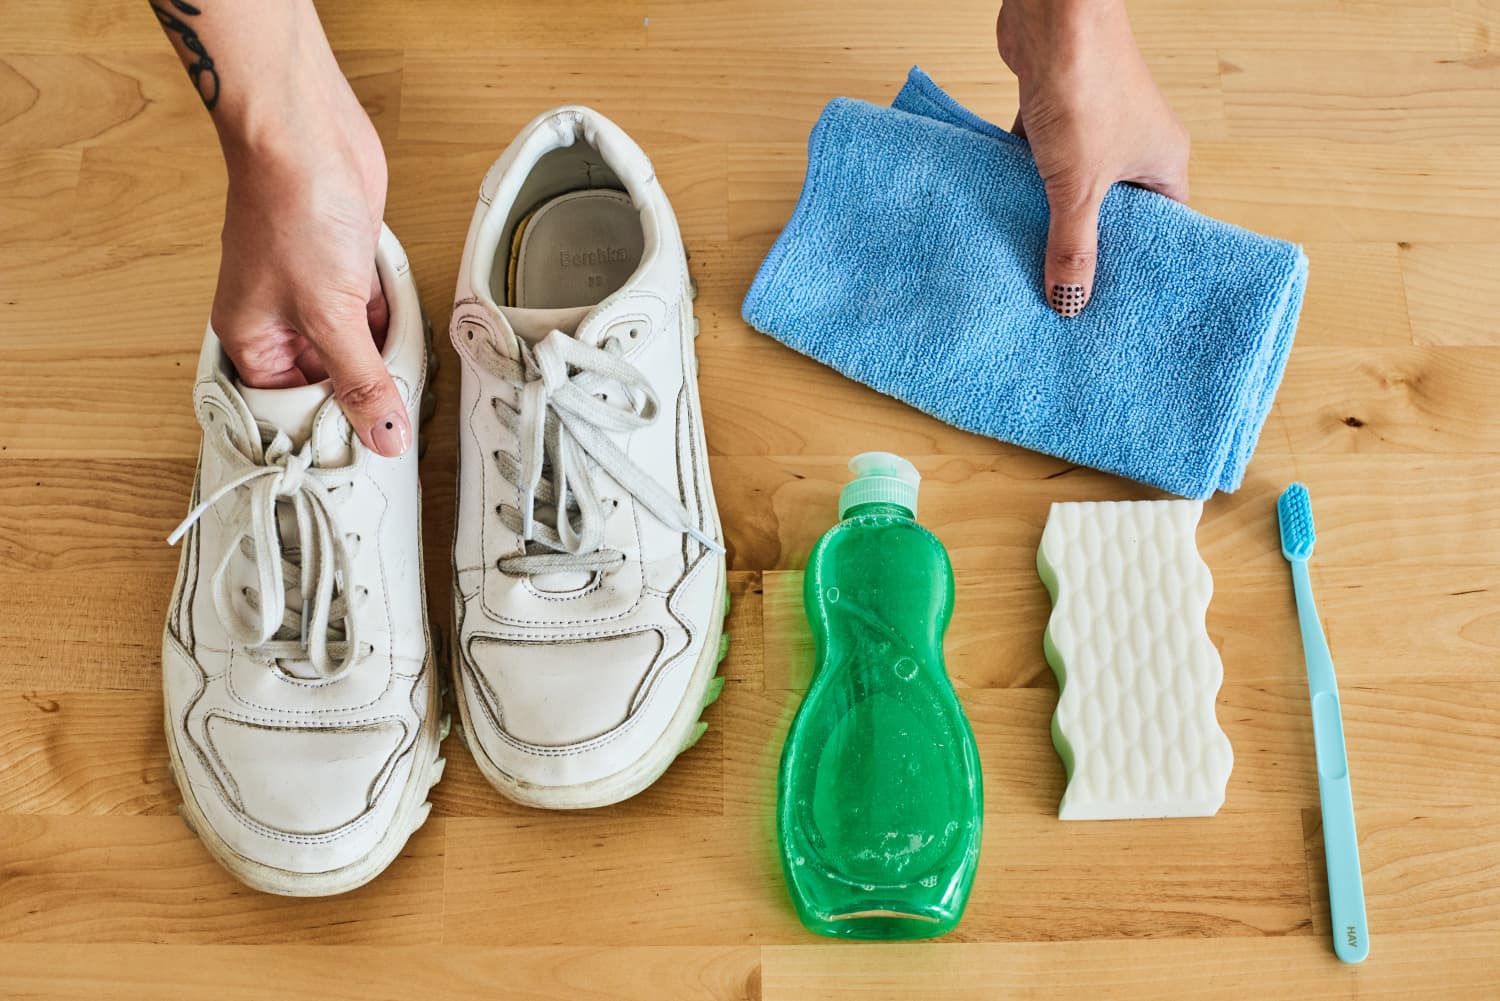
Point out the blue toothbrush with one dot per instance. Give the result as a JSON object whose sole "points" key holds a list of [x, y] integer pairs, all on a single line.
{"points": [[1346, 891]]}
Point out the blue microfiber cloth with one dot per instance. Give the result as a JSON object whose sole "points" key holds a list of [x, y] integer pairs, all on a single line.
{"points": [[913, 264]]}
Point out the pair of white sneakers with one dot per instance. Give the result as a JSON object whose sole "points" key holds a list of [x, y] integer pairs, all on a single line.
{"points": [[303, 706]]}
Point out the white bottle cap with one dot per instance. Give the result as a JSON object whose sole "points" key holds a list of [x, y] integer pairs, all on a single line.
{"points": [[880, 478]]}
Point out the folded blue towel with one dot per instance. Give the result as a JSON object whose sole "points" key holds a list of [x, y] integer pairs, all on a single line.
{"points": [[913, 264]]}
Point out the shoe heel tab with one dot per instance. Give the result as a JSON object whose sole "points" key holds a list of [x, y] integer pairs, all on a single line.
{"points": [[566, 126]]}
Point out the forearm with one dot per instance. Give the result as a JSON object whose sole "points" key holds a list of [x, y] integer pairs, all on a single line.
{"points": [[263, 69]]}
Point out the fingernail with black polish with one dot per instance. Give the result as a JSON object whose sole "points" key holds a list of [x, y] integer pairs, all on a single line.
{"points": [[392, 436], [1068, 300]]}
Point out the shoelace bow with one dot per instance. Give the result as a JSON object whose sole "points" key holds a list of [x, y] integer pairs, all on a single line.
{"points": [[562, 426], [323, 558]]}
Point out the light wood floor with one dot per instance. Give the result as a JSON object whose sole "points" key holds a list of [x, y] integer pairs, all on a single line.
{"points": [[1368, 130]]}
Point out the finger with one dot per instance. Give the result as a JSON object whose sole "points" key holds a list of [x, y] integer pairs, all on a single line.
{"points": [[310, 363], [285, 379], [1174, 187], [1072, 250], [361, 382], [264, 355], [1168, 173], [377, 311]]}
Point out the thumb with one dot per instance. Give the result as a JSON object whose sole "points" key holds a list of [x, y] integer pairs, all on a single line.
{"points": [[361, 382], [1072, 250]]}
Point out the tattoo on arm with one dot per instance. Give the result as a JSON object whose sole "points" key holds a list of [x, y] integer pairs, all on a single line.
{"points": [[201, 71]]}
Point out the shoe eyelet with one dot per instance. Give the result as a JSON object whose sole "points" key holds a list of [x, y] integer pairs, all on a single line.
{"points": [[634, 333], [470, 332]]}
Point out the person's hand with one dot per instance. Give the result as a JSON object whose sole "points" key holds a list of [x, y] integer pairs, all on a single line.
{"points": [[1093, 116], [298, 298]]}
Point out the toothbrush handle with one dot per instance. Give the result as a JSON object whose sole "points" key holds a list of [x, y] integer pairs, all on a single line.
{"points": [[1346, 892]]}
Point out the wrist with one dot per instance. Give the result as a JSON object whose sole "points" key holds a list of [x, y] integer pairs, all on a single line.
{"points": [[1060, 11], [1055, 39], [280, 134], [285, 94]]}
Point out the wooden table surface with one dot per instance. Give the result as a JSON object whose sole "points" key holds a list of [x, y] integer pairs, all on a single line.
{"points": [[1367, 130]]}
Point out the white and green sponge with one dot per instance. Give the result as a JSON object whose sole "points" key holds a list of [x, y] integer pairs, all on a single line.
{"points": [[1137, 673]]}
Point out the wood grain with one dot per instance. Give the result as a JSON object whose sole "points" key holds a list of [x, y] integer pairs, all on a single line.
{"points": [[37, 201], [1288, 967], [1368, 131], [1309, 190], [147, 879], [1418, 98], [1183, 25], [1453, 292], [391, 973]]}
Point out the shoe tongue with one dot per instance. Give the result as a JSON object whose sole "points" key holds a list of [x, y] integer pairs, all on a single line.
{"points": [[531, 325], [581, 322], [290, 411], [287, 410], [561, 581]]}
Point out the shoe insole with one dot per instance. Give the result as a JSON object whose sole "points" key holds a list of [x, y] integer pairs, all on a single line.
{"points": [[574, 250]]}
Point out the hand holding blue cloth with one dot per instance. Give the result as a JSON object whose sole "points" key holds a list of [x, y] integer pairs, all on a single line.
{"points": [[912, 264]]}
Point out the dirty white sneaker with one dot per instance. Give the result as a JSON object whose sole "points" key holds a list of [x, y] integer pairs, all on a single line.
{"points": [[589, 583], [301, 701]]}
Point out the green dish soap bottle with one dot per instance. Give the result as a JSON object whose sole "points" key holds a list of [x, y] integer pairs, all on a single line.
{"points": [[880, 803]]}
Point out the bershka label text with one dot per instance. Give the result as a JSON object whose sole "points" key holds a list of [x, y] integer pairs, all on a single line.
{"points": [[600, 255]]}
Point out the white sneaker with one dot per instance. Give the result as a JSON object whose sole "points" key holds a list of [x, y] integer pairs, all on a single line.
{"points": [[301, 701], [589, 583]]}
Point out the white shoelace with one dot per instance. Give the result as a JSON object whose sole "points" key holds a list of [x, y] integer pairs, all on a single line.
{"points": [[323, 558], [561, 425]]}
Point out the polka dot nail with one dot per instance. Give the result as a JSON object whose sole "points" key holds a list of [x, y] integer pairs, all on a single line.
{"points": [[1067, 299]]}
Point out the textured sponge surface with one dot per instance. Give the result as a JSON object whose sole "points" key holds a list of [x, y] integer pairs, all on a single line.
{"points": [[1137, 673]]}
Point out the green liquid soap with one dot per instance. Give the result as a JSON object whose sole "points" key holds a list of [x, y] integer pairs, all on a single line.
{"points": [[880, 803]]}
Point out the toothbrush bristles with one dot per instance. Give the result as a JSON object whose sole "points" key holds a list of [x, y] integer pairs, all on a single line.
{"points": [[1294, 510]]}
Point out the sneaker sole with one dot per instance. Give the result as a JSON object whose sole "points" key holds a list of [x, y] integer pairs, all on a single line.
{"points": [[411, 812]]}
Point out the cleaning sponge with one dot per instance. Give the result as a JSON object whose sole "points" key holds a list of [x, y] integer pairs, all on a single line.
{"points": [[1136, 671]]}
